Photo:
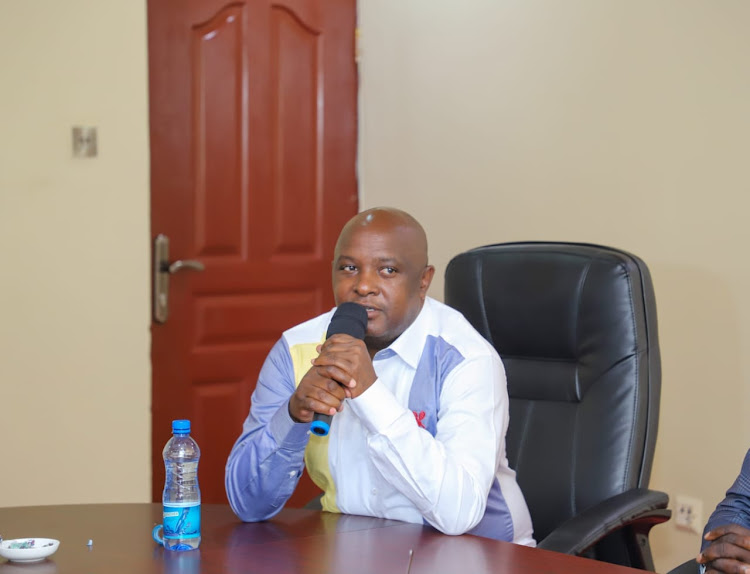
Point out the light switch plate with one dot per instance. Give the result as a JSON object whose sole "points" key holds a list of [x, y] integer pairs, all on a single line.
{"points": [[84, 141], [688, 513]]}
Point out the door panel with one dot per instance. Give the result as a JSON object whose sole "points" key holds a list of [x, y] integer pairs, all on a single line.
{"points": [[253, 143]]}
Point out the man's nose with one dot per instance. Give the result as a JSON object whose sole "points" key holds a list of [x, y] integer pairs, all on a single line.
{"points": [[367, 283]]}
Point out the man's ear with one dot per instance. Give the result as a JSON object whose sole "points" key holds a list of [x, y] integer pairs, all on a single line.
{"points": [[424, 282]]}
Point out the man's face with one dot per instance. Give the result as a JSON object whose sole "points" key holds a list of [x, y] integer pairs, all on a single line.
{"points": [[382, 267]]}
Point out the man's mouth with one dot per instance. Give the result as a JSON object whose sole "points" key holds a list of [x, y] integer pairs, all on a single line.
{"points": [[370, 311]]}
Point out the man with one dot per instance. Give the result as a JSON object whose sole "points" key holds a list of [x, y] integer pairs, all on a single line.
{"points": [[421, 406], [726, 546]]}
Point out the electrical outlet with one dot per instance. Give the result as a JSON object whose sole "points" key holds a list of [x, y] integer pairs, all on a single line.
{"points": [[688, 514]]}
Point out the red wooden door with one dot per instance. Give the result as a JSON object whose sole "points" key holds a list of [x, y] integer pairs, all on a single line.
{"points": [[253, 141]]}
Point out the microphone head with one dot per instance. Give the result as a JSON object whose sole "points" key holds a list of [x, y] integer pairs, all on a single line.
{"points": [[350, 319]]}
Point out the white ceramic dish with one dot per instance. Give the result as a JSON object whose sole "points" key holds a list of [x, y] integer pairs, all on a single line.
{"points": [[31, 549]]}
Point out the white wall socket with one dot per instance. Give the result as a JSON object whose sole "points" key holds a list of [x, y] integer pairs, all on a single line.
{"points": [[688, 514]]}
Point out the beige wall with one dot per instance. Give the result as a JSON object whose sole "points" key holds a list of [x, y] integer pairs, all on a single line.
{"points": [[622, 122], [74, 317]]}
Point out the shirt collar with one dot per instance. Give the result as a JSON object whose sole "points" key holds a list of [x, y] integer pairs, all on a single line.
{"points": [[410, 343]]}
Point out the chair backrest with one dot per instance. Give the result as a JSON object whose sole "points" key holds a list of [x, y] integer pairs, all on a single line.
{"points": [[575, 325]]}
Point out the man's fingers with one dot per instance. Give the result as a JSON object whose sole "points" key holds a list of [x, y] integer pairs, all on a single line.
{"points": [[725, 555], [340, 340], [315, 405], [336, 374], [324, 398], [316, 393], [337, 370], [350, 356], [728, 566], [727, 529], [741, 541]]}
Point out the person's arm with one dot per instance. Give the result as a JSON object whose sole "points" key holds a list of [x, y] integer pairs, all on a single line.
{"points": [[447, 477], [726, 544], [267, 460]]}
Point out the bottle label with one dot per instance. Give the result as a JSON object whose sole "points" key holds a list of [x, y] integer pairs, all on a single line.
{"points": [[182, 520]]}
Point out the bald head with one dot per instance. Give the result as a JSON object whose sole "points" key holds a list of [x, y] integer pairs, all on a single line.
{"points": [[380, 263], [388, 220]]}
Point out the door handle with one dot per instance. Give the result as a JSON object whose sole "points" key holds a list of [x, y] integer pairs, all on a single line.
{"points": [[162, 270], [186, 264]]}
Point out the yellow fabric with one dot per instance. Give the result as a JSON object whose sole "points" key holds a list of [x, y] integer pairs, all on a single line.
{"points": [[316, 453]]}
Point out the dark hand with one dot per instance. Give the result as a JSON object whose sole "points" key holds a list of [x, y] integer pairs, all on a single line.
{"points": [[316, 393], [729, 551], [346, 360]]}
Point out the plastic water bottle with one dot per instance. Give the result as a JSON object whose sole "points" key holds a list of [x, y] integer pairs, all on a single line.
{"points": [[182, 496]]}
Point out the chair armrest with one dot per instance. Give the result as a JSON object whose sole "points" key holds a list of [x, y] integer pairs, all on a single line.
{"points": [[639, 508]]}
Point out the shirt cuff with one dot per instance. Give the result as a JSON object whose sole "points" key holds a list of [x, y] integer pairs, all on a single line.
{"points": [[377, 408], [288, 434]]}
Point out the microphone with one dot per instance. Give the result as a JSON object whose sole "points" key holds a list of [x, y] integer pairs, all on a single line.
{"points": [[349, 319]]}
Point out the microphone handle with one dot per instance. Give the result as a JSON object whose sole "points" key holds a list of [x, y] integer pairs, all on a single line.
{"points": [[321, 424]]}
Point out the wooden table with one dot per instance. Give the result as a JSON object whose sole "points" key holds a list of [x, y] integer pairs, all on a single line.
{"points": [[295, 542]]}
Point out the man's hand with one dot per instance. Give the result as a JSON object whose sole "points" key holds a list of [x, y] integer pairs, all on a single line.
{"points": [[342, 370], [316, 393], [345, 359], [729, 551]]}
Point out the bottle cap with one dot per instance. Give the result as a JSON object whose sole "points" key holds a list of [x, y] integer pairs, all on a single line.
{"points": [[181, 426]]}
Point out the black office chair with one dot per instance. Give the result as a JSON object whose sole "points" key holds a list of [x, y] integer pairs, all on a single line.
{"points": [[575, 325]]}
